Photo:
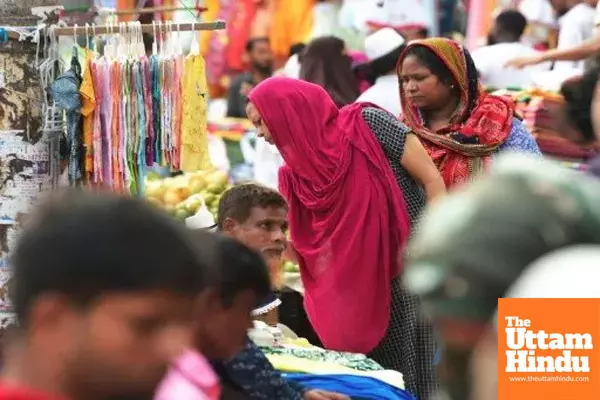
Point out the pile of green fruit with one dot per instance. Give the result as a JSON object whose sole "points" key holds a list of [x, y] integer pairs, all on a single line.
{"points": [[183, 195], [290, 266]]}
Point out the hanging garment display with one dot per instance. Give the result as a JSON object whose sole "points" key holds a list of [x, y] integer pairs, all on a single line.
{"points": [[137, 110]]}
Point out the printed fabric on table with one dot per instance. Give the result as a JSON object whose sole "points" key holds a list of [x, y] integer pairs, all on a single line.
{"points": [[358, 362]]}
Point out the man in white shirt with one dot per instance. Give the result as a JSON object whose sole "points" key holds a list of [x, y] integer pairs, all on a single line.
{"points": [[506, 45], [576, 26], [383, 49], [584, 50]]}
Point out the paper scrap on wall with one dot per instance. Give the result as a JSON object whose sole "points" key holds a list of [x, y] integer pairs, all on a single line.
{"points": [[24, 174]]}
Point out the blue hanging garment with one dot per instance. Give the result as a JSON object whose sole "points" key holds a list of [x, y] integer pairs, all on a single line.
{"points": [[353, 386], [65, 94]]}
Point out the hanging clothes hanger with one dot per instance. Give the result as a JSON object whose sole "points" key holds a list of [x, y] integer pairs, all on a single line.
{"points": [[75, 26], [108, 45], [128, 39], [75, 57], [170, 46], [95, 38], [195, 46], [154, 43], [160, 40], [122, 50], [178, 44], [141, 45], [87, 36]]}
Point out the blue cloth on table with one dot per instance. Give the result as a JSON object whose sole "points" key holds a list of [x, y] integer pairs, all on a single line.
{"points": [[356, 387]]}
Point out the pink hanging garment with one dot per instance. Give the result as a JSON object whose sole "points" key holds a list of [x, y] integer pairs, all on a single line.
{"points": [[108, 114], [177, 107]]}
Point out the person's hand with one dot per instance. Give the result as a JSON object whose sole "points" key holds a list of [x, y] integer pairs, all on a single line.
{"points": [[324, 395], [522, 62]]}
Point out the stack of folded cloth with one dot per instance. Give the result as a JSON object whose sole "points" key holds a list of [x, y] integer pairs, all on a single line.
{"points": [[560, 147], [354, 375]]}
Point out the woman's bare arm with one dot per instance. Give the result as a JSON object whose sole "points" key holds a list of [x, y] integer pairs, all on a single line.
{"points": [[418, 164]]}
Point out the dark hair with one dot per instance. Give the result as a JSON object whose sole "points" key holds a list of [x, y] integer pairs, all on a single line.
{"points": [[579, 94], [235, 268], [296, 49], [510, 22], [324, 63], [252, 42], [386, 63], [237, 202], [436, 65], [423, 32], [85, 245]]}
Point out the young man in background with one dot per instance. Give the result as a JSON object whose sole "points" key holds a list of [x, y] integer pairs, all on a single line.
{"points": [[506, 45], [260, 60], [256, 216]]}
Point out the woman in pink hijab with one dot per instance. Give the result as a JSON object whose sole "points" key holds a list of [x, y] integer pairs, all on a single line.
{"points": [[355, 180]]}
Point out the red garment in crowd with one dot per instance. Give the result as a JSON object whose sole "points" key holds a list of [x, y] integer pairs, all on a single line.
{"points": [[13, 392], [238, 31]]}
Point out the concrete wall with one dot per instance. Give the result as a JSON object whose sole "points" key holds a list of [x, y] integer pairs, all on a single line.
{"points": [[24, 155]]}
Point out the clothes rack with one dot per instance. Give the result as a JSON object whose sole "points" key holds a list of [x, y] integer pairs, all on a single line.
{"points": [[152, 10], [143, 10], [146, 28]]}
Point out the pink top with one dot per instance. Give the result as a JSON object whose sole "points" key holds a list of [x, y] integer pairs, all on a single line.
{"points": [[189, 378]]}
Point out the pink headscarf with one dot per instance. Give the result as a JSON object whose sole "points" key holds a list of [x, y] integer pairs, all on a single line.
{"points": [[348, 219]]}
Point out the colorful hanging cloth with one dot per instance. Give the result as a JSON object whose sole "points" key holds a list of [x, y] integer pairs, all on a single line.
{"points": [[194, 134], [88, 105]]}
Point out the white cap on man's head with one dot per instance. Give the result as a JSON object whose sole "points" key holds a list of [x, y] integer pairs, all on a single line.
{"points": [[382, 42]]}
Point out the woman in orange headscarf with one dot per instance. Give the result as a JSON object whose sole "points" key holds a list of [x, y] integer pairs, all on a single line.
{"points": [[460, 125]]}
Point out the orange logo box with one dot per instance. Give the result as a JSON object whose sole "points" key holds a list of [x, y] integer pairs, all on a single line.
{"points": [[548, 349]]}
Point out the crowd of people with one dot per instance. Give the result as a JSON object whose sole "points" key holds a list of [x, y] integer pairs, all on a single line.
{"points": [[395, 198]]}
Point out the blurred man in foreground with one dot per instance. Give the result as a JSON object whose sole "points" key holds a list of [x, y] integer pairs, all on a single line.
{"points": [[104, 290]]}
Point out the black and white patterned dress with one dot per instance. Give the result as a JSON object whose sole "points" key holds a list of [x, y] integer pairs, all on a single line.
{"points": [[391, 134], [408, 345]]}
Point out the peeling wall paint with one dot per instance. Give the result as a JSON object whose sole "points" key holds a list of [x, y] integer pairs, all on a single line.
{"points": [[24, 155]]}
